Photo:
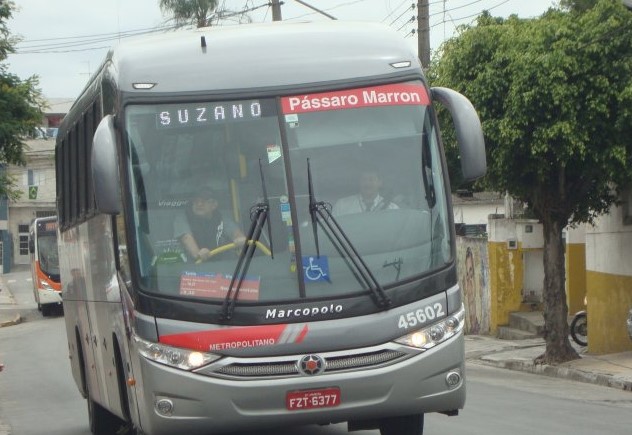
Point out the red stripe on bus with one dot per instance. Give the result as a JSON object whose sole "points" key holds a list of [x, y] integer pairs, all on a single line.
{"points": [[230, 338], [302, 335]]}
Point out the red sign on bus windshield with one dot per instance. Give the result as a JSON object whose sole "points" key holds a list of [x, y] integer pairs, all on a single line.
{"points": [[387, 95], [215, 285]]}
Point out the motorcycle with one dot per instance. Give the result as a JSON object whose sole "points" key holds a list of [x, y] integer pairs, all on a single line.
{"points": [[579, 327]]}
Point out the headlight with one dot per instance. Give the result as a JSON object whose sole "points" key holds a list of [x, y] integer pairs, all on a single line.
{"points": [[434, 334], [45, 285], [184, 359]]}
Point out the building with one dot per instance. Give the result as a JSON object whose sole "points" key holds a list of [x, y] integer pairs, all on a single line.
{"points": [[36, 181], [473, 209]]}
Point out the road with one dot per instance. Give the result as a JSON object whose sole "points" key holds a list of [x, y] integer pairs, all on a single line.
{"points": [[38, 395]]}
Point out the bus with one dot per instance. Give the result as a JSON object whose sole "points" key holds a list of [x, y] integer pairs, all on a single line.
{"points": [[289, 311], [45, 264]]}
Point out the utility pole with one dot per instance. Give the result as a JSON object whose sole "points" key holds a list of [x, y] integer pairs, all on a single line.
{"points": [[276, 10], [423, 33]]}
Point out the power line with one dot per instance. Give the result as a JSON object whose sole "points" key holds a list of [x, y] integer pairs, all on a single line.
{"points": [[393, 11], [456, 7], [89, 36], [57, 47], [69, 44], [412, 7], [470, 16], [79, 43], [327, 10]]}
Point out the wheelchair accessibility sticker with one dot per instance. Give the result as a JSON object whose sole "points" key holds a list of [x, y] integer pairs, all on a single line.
{"points": [[316, 269]]}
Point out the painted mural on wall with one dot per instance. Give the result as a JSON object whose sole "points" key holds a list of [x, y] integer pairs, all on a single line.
{"points": [[473, 271]]}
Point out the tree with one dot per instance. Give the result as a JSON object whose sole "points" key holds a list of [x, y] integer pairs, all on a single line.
{"points": [[577, 5], [21, 105], [555, 99], [190, 11]]}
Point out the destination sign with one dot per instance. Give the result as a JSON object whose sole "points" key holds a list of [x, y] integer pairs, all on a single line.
{"points": [[202, 114], [50, 226], [402, 94]]}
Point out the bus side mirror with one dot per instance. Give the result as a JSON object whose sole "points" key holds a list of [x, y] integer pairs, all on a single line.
{"points": [[31, 246], [105, 172], [469, 133]]}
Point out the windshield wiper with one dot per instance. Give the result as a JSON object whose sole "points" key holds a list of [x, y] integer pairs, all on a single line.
{"points": [[343, 245], [258, 217], [313, 207]]}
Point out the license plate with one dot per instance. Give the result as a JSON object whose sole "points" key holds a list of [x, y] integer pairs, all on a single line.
{"points": [[310, 399]]}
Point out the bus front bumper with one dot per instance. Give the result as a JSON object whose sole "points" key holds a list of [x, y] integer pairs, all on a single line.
{"points": [[203, 404], [49, 296]]}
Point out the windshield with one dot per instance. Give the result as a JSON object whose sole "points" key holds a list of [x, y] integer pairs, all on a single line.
{"points": [[48, 254], [207, 176]]}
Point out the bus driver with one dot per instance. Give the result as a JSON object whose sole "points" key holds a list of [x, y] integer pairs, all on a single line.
{"points": [[368, 199], [202, 228]]}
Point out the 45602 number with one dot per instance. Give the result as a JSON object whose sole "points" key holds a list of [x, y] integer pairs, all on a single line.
{"points": [[421, 316]]}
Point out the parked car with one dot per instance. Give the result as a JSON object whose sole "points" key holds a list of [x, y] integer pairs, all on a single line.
{"points": [[52, 132]]}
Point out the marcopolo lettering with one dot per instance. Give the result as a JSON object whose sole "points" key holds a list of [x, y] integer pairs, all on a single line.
{"points": [[275, 313]]}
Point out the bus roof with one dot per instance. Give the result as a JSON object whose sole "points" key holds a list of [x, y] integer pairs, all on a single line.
{"points": [[259, 56]]}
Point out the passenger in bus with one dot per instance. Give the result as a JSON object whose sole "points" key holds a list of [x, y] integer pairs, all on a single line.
{"points": [[368, 199], [202, 228]]}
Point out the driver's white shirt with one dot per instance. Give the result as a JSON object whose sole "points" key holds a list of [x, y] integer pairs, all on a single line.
{"points": [[356, 204]]}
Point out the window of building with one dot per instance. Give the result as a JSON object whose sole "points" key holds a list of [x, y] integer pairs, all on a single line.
{"points": [[44, 213], [33, 177], [23, 237]]}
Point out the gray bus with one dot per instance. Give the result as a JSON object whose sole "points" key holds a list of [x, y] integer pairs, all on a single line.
{"points": [[256, 231]]}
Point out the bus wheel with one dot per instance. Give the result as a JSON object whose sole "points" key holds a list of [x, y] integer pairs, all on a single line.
{"points": [[102, 422], [405, 425]]}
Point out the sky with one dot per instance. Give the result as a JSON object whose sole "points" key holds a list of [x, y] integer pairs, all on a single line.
{"points": [[64, 41]]}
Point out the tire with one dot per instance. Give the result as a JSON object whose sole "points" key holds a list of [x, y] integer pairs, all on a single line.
{"points": [[579, 329], [130, 429], [405, 425], [101, 421]]}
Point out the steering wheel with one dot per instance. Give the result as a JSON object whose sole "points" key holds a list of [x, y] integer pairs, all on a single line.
{"points": [[228, 246]]}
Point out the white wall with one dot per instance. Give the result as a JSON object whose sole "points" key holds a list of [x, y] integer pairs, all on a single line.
{"points": [[475, 214], [609, 244]]}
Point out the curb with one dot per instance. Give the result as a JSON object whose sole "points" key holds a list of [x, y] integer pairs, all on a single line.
{"points": [[561, 372], [16, 320]]}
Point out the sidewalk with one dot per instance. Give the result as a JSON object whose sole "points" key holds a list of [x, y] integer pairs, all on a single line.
{"points": [[8, 316], [613, 370]]}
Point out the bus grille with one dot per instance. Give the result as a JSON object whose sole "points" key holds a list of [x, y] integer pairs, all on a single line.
{"points": [[289, 367]]}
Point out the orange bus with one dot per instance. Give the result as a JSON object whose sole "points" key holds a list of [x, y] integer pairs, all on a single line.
{"points": [[45, 264]]}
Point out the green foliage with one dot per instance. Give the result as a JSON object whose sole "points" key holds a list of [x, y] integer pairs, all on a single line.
{"points": [[5, 43], [185, 12], [21, 106], [554, 96], [577, 5]]}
